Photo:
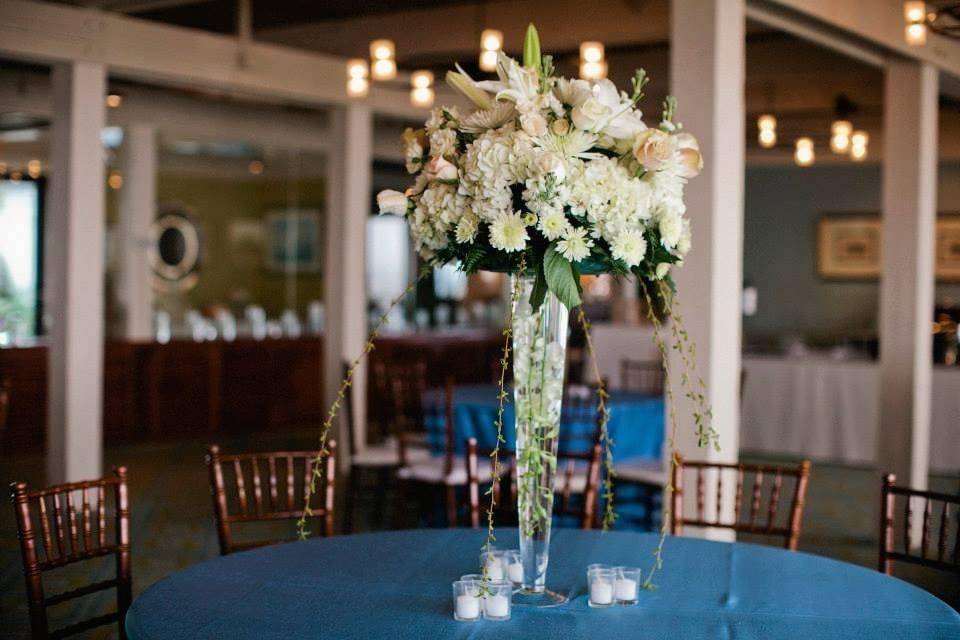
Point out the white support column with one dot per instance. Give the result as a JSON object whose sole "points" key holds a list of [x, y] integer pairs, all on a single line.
{"points": [[138, 203], [707, 77], [907, 280], [74, 272], [350, 181]]}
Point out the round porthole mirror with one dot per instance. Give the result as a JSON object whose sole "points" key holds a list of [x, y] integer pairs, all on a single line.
{"points": [[174, 250]]}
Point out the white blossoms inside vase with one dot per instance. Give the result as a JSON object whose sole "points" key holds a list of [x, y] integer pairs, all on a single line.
{"points": [[548, 166]]}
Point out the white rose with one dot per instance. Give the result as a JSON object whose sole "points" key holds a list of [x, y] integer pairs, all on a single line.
{"points": [[626, 126], [440, 168], [592, 115], [691, 162], [653, 149], [550, 163], [392, 202], [533, 124]]}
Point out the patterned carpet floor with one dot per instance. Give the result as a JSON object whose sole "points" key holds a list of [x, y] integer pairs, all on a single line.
{"points": [[172, 526]]}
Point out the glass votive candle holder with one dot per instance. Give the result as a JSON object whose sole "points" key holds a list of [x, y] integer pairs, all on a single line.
{"points": [[476, 578], [496, 602], [493, 564], [626, 586], [466, 600], [595, 566], [514, 567], [600, 583]]}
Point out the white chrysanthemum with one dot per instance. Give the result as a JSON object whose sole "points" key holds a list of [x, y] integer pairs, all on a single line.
{"points": [[508, 233], [485, 119], [573, 144], [575, 245], [553, 223], [467, 228], [671, 228], [630, 246]]}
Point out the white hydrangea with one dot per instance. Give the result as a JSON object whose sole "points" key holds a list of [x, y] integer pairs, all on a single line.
{"points": [[443, 143], [610, 198], [438, 209]]}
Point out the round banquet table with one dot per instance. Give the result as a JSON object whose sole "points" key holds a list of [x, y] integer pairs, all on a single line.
{"points": [[635, 423], [397, 585]]}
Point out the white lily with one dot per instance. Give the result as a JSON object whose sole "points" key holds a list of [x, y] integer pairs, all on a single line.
{"points": [[516, 83], [461, 81]]}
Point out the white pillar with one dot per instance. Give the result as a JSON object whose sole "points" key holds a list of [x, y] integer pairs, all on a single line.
{"points": [[907, 280], [349, 188], [74, 272], [707, 77], [138, 202]]}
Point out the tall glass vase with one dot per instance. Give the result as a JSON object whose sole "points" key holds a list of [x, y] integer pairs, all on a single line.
{"points": [[539, 364]]}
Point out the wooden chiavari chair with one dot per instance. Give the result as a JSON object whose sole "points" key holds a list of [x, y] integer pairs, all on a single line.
{"points": [[284, 498], [566, 486], [402, 383], [69, 536], [642, 376], [934, 550], [754, 521]]}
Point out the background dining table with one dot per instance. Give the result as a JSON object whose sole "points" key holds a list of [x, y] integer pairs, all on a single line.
{"points": [[635, 423], [398, 585]]}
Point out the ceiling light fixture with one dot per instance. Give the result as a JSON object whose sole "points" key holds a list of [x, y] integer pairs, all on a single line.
{"points": [[358, 83], [421, 89], [383, 59], [593, 64], [767, 130], [491, 43], [858, 145], [804, 154], [840, 132]]}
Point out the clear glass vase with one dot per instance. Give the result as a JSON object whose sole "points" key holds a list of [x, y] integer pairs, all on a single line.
{"points": [[539, 365]]}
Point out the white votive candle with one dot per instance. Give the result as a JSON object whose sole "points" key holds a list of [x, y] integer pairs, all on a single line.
{"points": [[601, 592], [494, 569], [497, 606], [468, 607], [625, 589], [515, 573]]}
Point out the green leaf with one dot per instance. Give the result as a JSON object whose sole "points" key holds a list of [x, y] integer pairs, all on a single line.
{"points": [[539, 292], [560, 276], [531, 48]]}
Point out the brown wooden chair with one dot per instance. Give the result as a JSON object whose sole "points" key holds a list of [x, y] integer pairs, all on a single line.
{"points": [[284, 492], [571, 481], [642, 376], [751, 521], [4, 408], [939, 511], [71, 520]]}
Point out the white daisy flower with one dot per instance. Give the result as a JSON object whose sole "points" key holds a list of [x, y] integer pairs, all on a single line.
{"points": [[575, 245], [508, 233], [553, 224], [630, 246]]}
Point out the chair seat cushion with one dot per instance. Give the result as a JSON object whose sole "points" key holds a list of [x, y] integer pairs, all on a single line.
{"points": [[642, 470], [430, 471], [386, 454]]}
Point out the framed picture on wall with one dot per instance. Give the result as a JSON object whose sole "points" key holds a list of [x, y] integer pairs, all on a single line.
{"points": [[293, 241], [848, 247]]}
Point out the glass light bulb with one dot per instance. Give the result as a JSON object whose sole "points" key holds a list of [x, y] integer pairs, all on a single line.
{"points": [[767, 138], [488, 60], [384, 69], [767, 121], [358, 87], [593, 70], [914, 10], [382, 49], [916, 34], [491, 40], [804, 154], [357, 68], [422, 96], [591, 51], [421, 79]]}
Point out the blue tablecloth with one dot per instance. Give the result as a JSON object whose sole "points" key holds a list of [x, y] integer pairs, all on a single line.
{"points": [[397, 585], [636, 421]]}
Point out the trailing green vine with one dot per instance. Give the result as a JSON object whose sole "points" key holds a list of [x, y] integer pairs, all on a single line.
{"points": [[609, 513], [316, 464]]}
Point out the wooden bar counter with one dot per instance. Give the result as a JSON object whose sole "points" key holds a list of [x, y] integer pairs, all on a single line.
{"points": [[186, 389]]}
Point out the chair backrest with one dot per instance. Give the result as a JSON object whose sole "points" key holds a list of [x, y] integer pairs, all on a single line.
{"points": [[580, 420], [572, 469], [68, 523], [401, 383], [940, 523], [438, 425], [4, 407], [755, 512], [642, 376], [288, 473]]}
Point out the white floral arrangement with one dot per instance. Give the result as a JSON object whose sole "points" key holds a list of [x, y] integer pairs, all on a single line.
{"points": [[554, 176]]}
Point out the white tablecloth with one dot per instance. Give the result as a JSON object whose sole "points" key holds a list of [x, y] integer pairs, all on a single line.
{"points": [[829, 410]]}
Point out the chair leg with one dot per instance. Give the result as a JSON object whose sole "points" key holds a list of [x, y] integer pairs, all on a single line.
{"points": [[349, 500], [451, 506]]}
